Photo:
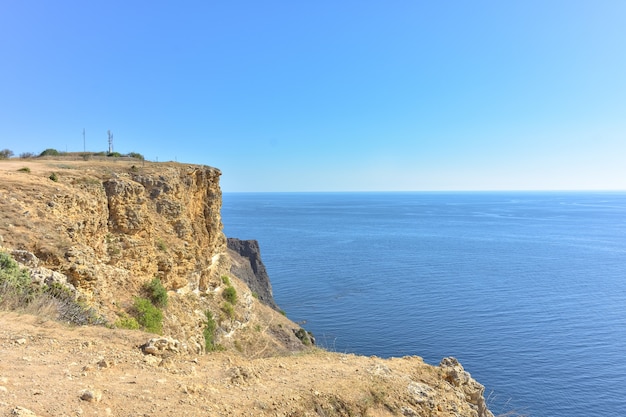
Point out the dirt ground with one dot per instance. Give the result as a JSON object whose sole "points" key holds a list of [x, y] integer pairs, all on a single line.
{"points": [[50, 369]]}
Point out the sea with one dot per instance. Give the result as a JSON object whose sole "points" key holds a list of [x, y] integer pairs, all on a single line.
{"points": [[526, 289]]}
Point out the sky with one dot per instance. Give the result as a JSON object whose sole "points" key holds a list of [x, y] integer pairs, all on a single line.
{"points": [[327, 95]]}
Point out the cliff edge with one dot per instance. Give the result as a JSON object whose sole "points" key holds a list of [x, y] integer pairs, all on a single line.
{"points": [[95, 235]]}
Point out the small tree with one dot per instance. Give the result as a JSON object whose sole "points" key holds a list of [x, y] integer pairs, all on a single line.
{"points": [[50, 152], [6, 153]]}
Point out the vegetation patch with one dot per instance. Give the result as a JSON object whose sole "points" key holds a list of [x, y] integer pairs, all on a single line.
{"points": [[228, 310], [54, 177], [50, 152], [160, 244], [19, 293], [157, 292], [136, 155], [210, 327], [14, 282], [127, 322], [25, 169], [148, 315], [230, 294], [305, 337]]}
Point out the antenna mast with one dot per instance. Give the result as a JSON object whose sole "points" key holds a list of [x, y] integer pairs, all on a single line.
{"points": [[110, 141]]}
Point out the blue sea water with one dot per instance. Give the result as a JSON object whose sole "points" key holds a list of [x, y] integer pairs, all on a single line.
{"points": [[527, 290]]}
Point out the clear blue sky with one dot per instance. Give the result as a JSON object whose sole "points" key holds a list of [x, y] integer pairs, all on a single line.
{"points": [[328, 95]]}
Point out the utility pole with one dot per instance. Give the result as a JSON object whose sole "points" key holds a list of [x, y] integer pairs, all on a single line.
{"points": [[84, 147], [110, 141]]}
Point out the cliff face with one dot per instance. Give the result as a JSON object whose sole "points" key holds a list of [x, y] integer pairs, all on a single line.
{"points": [[119, 222], [111, 227]]}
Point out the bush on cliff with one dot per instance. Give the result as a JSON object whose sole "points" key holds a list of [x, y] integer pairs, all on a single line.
{"points": [[209, 332], [14, 281], [18, 292], [230, 294], [157, 292], [148, 316], [228, 310]]}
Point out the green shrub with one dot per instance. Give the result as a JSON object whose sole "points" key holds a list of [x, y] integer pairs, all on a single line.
{"points": [[136, 156], [25, 169], [148, 316], [17, 292], [13, 279], [209, 332], [225, 279], [161, 245], [228, 309], [157, 292], [54, 177], [114, 154], [230, 294], [50, 152], [127, 322], [305, 337]]}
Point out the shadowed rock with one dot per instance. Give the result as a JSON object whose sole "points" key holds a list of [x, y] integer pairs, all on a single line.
{"points": [[248, 266]]}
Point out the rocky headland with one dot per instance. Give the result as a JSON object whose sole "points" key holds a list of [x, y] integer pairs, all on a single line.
{"points": [[100, 233]]}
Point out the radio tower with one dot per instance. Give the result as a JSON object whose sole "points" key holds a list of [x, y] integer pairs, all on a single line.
{"points": [[110, 141]]}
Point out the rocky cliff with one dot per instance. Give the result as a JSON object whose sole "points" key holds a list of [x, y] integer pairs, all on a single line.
{"points": [[102, 230], [110, 227], [248, 266]]}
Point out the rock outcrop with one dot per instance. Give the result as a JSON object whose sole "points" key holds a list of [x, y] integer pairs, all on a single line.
{"points": [[248, 266], [104, 230]]}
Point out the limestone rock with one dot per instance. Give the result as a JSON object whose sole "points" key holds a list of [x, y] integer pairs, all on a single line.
{"points": [[161, 345], [25, 257], [91, 395], [22, 412], [458, 377], [45, 276], [422, 394]]}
